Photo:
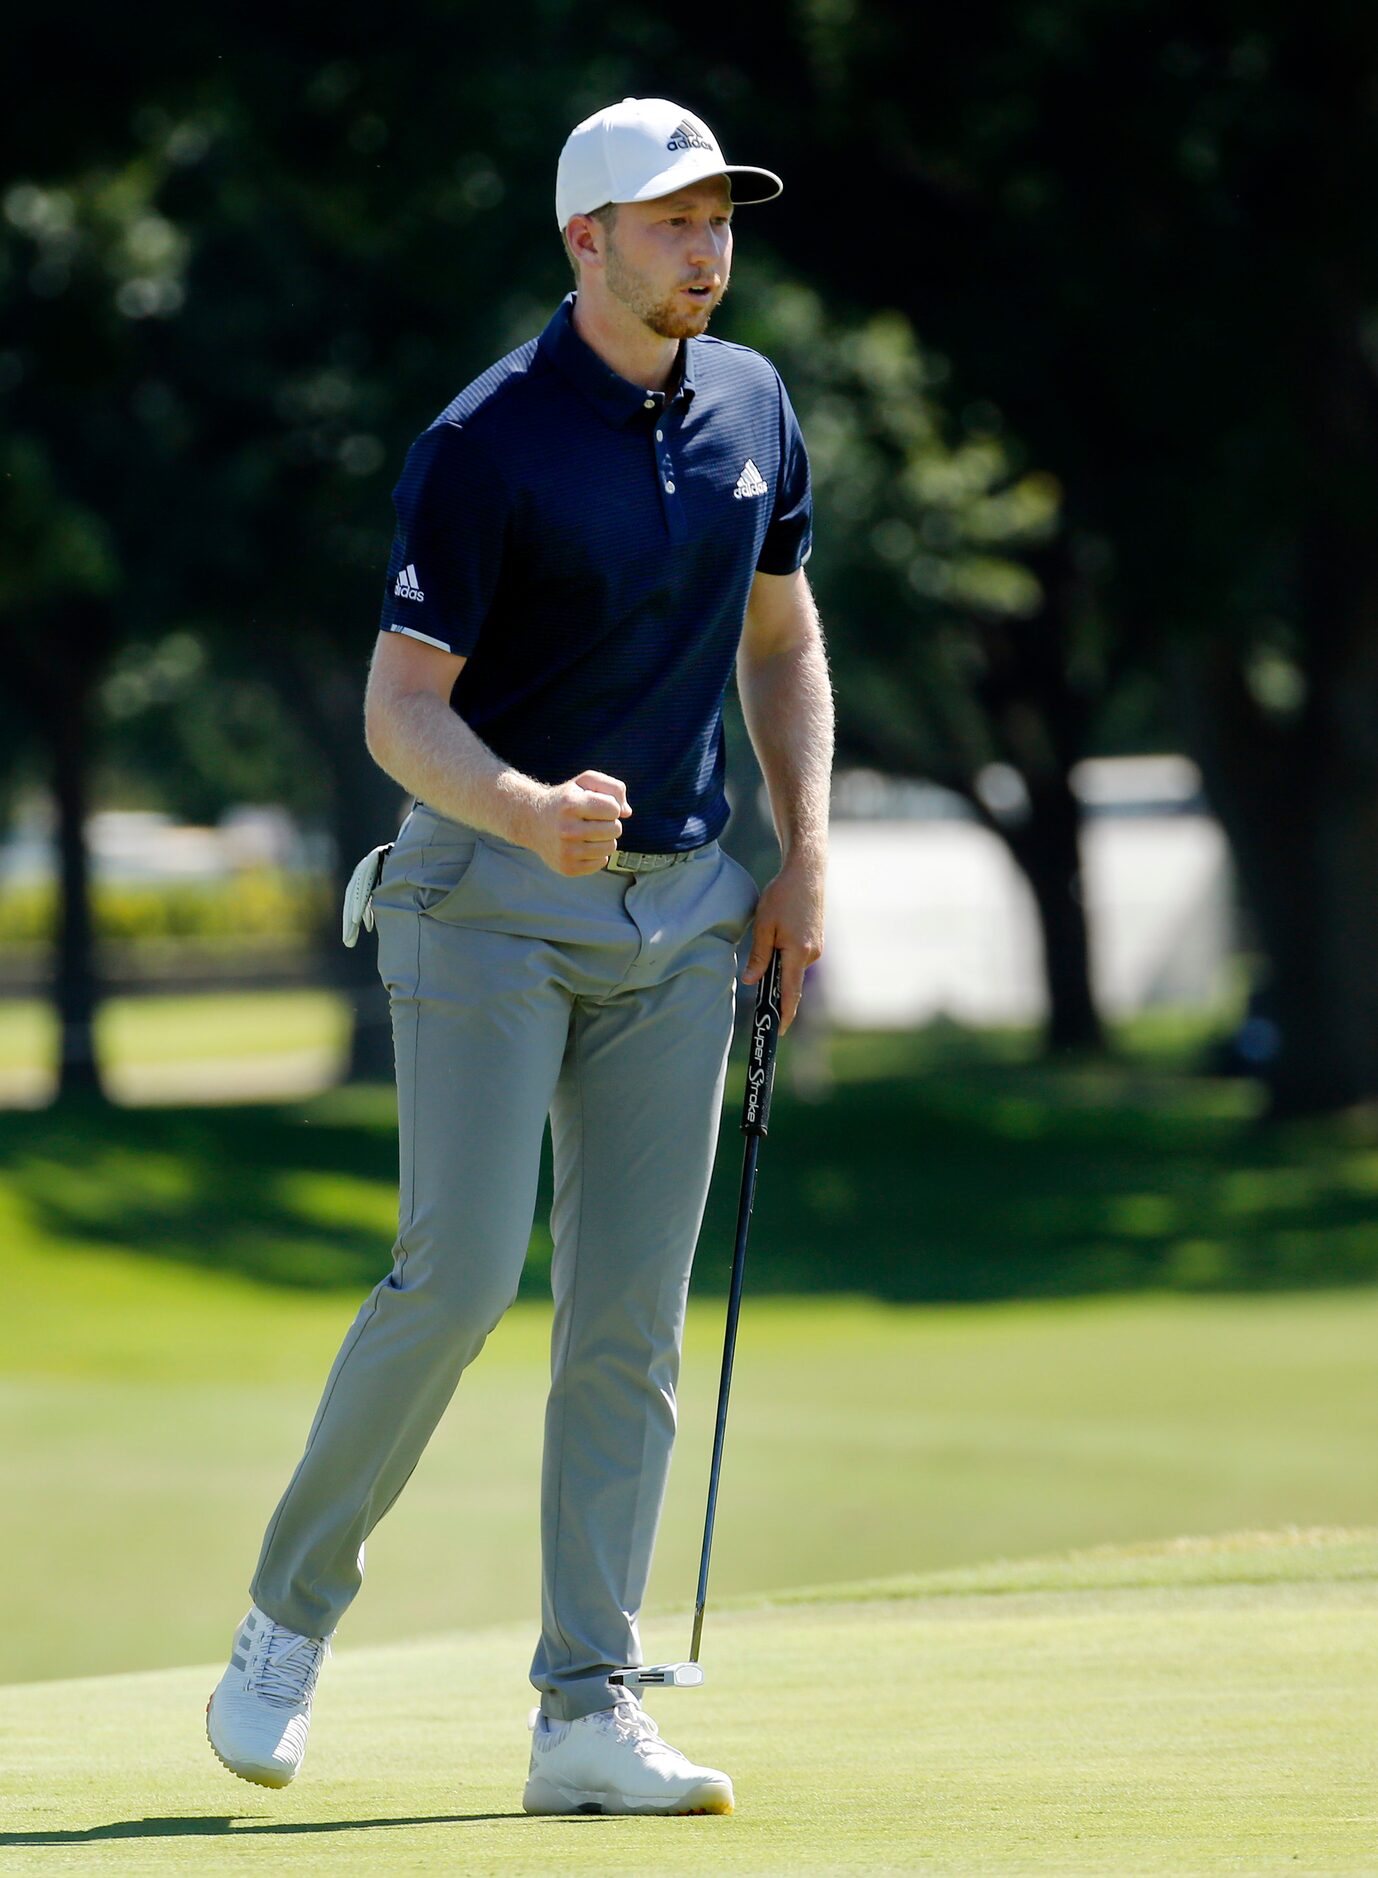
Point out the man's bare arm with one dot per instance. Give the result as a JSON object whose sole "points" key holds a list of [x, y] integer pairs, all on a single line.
{"points": [[782, 678], [424, 745]]}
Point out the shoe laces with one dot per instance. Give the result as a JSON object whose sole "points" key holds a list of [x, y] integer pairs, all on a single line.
{"points": [[631, 1722], [289, 1667]]}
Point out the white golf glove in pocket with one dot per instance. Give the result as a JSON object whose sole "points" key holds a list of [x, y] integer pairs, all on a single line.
{"points": [[358, 899]]}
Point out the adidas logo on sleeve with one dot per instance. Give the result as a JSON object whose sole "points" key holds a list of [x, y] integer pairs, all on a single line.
{"points": [[407, 588], [750, 482]]}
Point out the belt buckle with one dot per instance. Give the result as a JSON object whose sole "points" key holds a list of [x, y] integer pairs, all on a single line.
{"points": [[633, 863]]}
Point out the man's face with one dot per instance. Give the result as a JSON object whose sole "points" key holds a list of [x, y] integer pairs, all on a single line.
{"points": [[668, 261]]}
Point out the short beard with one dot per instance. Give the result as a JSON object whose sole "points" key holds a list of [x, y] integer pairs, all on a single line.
{"points": [[669, 318]]}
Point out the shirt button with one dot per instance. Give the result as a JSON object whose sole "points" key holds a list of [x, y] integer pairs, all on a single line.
{"points": [[650, 404], [669, 488], [660, 436]]}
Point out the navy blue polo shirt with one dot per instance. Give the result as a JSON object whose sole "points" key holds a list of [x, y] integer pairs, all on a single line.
{"points": [[588, 546]]}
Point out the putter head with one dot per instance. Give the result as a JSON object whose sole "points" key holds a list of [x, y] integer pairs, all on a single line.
{"points": [[660, 1676]]}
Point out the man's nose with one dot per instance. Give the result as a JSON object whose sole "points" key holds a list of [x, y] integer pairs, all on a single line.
{"points": [[708, 246]]}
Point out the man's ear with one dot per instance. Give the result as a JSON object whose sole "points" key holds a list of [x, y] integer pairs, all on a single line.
{"points": [[585, 238]]}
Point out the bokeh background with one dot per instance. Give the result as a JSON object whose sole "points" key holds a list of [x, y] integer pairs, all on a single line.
{"points": [[1068, 1228]]}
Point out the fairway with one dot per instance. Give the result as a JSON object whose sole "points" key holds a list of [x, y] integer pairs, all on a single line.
{"points": [[1196, 1708], [178, 1281], [152, 1415]]}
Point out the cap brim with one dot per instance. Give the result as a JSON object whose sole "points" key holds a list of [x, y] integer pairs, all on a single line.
{"points": [[763, 185]]}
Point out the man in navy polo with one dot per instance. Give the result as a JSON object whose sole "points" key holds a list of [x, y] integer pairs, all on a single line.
{"points": [[589, 539]]}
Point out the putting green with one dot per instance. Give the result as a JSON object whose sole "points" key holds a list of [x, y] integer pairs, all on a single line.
{"points": [[1194, 1708]]}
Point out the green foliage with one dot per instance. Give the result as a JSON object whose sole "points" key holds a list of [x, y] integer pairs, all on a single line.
{"points": [[946, 512], [924, 524], [87, 260], [58, 546], [1131, 463], [255, 902], [187, 726], [1138, 234]]}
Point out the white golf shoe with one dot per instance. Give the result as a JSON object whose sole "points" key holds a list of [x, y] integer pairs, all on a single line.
{"points": [[615, 1762], [260, 1712]]}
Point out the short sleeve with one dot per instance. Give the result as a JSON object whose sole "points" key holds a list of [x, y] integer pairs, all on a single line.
{"points": [[452, 524], [789, 538]]}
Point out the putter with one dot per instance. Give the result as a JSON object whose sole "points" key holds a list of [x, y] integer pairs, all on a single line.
{"points": [[760, 1081]]}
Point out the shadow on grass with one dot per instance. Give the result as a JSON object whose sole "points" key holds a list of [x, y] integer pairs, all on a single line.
{"points": [[285, 1193], [220, 1825], [935, 1168]]}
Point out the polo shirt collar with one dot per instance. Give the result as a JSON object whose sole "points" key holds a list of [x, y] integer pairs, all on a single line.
{"points": [[615, 398]]}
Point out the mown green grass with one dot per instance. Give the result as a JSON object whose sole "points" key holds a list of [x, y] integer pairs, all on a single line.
{"points": [[151, 1414], [1219, 1719], [940, 1166], [177, 1280]]}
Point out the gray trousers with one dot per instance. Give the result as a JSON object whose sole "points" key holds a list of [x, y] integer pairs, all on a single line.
{"points": [[606, 1003]]}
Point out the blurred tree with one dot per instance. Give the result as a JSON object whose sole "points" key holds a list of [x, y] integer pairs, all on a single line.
{"points": [[236, 275], [963, 649], [244, 260], [82, 490], [1143, 232], [309, 320]]}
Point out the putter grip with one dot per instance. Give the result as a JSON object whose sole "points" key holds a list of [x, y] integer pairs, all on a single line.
{"points": [[760, 1062]]}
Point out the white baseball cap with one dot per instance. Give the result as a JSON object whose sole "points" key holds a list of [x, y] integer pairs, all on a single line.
{"points": [[641, 149]]}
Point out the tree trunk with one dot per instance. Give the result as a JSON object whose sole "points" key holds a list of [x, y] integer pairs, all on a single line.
{"points": [[365, 809], [1042, 714], [1302, 820], [75, 987], [1048, 852], [1297, 787]]}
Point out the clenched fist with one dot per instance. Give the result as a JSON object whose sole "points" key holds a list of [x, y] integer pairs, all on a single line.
{"points": [[575, 825]]}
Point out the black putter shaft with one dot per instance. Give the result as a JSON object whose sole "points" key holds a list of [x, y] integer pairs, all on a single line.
{"points": [[760, 1081]]}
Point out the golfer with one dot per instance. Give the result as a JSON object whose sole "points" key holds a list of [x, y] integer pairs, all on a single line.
{"points": [[588, 539]]}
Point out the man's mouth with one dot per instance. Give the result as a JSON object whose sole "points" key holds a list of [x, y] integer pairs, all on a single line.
{"points": [[700, 290]]}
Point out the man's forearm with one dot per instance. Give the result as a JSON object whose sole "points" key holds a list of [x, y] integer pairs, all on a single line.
{"points": [[788, 705], [429, 749]]}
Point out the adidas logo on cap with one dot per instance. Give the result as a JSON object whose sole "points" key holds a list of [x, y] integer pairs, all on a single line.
{"points": [[687, 138], [750, 482], [406, 588]]}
